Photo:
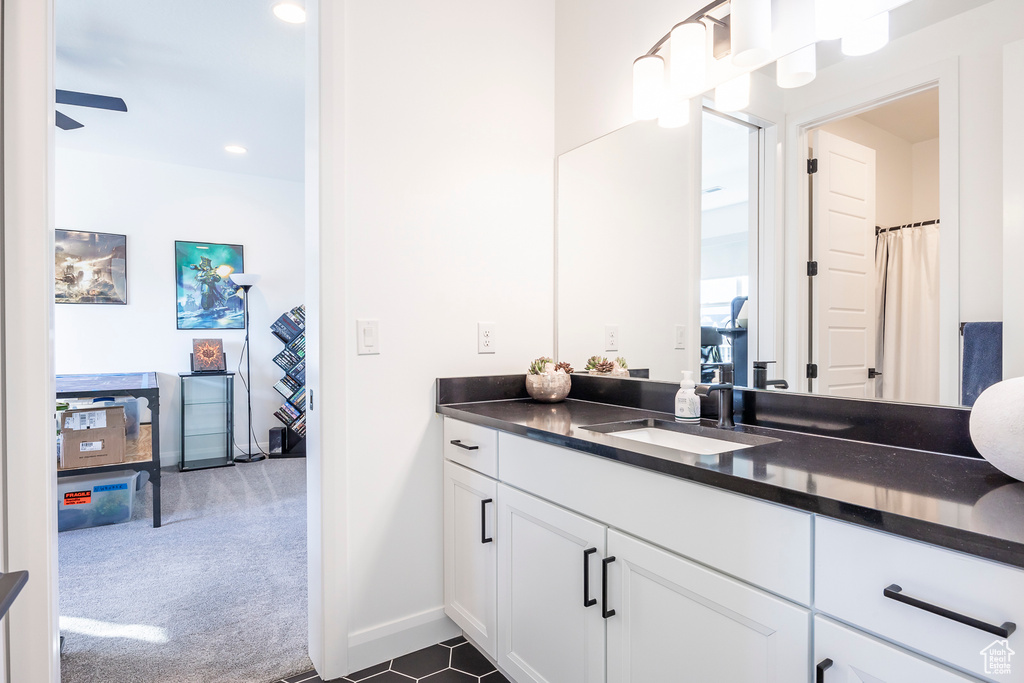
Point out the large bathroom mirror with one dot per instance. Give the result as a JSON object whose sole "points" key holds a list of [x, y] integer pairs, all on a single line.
{"points": [[872, 272]]}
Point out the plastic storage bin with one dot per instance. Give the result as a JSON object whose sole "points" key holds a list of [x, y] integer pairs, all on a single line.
{"points": [[97, 499]]}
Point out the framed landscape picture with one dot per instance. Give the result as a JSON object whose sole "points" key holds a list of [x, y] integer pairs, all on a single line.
{"points": [[90, 268], [206, 297]]}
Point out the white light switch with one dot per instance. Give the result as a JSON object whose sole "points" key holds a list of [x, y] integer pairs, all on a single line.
{"points": [[486, 338], [367, 337], [680, 336], [611, 337]]}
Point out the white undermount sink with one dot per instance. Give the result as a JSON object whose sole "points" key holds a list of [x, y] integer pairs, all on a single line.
{"points": [[701, 445]]}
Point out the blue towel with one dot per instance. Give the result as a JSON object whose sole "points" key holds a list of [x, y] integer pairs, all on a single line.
{"points": [[983, 359]]}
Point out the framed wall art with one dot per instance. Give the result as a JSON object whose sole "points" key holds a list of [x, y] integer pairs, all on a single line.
{"points": [[206, 297], [90, 268]]}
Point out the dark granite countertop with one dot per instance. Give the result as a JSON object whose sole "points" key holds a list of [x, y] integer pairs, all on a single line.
{"points": [[961, 503]]}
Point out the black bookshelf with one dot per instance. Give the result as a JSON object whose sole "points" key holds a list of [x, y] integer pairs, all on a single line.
{"points": [[290, 329]]}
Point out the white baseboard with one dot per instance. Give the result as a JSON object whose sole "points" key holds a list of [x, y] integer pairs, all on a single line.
{"points": [[396, 638]]}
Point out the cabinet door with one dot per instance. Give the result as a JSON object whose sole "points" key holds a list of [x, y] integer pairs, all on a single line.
{"points": [[842, 655], [548, 633], [470, 578], [678, 621]]}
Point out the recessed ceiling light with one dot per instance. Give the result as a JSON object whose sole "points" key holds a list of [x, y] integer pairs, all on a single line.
{"points": [[290, 12], [235, 149]]}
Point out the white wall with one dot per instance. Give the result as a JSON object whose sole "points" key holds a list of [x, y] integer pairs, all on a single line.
{"points": [[925, 160], [1013, 211], [155, 204], [446, 203]]}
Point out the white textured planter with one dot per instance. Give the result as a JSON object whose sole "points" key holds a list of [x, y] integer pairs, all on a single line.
{"points": [[997, 426], [548, 388]]}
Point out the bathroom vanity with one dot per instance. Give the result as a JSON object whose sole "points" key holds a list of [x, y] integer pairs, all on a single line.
{"points": [[596, 540]]}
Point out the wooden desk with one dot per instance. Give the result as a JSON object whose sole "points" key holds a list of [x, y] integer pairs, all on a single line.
{"points": [[136, 384]]}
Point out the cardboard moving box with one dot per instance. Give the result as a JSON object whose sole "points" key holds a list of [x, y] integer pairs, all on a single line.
{"points": [[92, 437]]}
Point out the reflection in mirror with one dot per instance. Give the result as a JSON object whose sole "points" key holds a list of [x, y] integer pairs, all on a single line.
{"points": [[907, 136]]}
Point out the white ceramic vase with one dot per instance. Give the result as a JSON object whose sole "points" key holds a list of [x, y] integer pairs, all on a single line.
{"points": [[997, 426]]}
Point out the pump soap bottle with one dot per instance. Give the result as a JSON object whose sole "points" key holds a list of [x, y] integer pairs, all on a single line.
{"points": [[687, 401]]}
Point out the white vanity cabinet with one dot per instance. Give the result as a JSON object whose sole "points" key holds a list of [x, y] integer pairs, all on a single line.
{"points": [[842, 655], [677, 620], [470, 556], [550, 625]]}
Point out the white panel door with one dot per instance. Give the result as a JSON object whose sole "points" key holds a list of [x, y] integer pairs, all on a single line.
{"points": [[842, 655], [550, 624], [843, 235], [470, 558], [678, 621]]}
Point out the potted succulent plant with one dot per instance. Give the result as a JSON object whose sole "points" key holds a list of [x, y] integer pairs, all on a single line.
{"points": [[599, 365], [547, 381]]}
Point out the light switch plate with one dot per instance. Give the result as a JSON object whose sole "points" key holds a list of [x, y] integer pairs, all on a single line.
{"points": [[367, 337], [486, 338], [680, 339], [611, 337]]}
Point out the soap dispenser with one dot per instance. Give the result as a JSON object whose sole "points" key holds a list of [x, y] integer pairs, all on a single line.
{"points": [[687, 401]]}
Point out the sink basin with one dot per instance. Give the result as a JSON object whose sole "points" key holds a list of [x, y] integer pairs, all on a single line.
{"points": [[690, 438]]}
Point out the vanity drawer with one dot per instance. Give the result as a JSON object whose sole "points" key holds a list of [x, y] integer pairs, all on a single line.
{"points": [[472, 446], [855, 566], [761, 543]]}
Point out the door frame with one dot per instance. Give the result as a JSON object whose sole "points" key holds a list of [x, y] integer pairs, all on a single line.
{"points": [[945, 75], [28, 479]]}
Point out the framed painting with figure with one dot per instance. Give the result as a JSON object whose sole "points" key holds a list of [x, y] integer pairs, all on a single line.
{"points": [[90, 268], [206, 297]]}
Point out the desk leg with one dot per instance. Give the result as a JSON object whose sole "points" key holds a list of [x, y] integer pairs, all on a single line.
{"points": [[156, 496]]}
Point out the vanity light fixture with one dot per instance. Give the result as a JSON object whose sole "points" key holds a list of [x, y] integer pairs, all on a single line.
{"points": [[733, 95], [675, 113], [648, 86], [868, 36], [688, 58], [290, 13], [751, 26], [831, 18], [797, 68]]}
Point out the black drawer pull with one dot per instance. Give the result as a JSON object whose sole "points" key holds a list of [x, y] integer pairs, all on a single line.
{"points": [[823, 666], [587, 600], [605, 612], [458, 442], [895, 592], [484, 538]]}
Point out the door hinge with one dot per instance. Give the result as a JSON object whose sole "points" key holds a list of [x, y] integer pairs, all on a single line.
{"points": [[311, 399], [873, 373], [812, 165], [812, 268], [812, 371]]}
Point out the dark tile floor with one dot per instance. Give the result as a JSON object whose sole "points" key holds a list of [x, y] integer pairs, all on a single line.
{"points": [[453, 661]]}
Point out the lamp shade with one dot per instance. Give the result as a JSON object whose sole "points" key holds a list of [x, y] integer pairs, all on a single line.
{"points": [[688, 59], [648, 87], [244, 279], [867, 36], [797, 68], [751, 31], [675, 113], [733, 95]]}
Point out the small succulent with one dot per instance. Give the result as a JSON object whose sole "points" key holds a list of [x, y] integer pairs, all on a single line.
{"points": [[564, 367], [605, 366], [595, 361], [537, 366], [622, 363]]}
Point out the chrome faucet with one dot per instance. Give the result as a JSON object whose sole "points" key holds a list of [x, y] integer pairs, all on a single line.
{"points": [[724, 388]]}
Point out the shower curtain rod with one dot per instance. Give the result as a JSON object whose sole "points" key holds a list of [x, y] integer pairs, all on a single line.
{"points": [[879, 229]]}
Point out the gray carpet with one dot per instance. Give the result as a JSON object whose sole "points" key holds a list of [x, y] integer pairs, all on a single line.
{"points": [[216, 595]]}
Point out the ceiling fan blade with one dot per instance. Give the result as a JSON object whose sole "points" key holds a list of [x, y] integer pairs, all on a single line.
{"points": [[67, 123], [84, 99]]}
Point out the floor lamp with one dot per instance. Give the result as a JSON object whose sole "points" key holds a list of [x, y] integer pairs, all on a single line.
{"points": [[246, 281]]}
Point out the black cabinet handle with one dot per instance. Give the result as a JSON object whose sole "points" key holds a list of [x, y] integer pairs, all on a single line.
{"points": [[823, 665], [483, 520], [895, 592], [458, 442], [587, 600], [605, 612]]}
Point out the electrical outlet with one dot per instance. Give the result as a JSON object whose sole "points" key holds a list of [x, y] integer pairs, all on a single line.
{"points": [[485, 338], [611, 337], [680, 341]]}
